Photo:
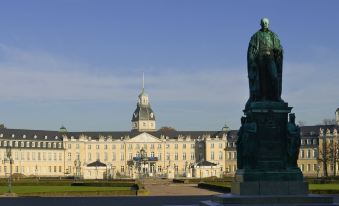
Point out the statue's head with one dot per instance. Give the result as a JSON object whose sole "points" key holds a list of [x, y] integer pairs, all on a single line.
{"points": [[264, 22]]}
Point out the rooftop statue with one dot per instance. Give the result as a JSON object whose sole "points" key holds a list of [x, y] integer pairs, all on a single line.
{"points": [[264, 65]]}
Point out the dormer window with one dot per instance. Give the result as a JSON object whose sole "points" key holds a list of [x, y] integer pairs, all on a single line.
{"points": [[35, 136], [24, 136], [46, 137], [27, 144], [38, 144], [22, 144], [49, 145], [13, 135], [44, 144], [1, 135], [33, 144], [56, 137]]}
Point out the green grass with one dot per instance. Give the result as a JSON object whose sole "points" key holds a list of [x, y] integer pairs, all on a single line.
{"points": [[324, 186], [61, 189]]}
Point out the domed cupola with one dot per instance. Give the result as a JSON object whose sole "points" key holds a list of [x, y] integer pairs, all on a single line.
{"points": [[143, 118]]}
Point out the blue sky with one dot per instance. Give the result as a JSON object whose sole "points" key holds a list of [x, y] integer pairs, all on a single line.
{"points": [[80, 62]]}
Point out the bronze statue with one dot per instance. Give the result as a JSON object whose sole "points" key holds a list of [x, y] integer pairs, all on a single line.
{"points": [[247, 144], [293, 142], [264, 65]]}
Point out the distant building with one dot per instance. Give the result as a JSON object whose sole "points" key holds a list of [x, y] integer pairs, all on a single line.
{"points": [[97, 155]]}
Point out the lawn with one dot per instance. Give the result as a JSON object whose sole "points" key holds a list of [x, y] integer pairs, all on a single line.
{"points": [[324, 186], [60, 189]]}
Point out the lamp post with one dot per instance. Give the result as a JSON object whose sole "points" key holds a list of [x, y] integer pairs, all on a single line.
{"points": [[10, 160]]}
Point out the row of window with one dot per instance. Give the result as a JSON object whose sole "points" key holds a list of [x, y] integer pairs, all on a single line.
{"points": [[309, 141], [39, 156], [24, 136], [139, 146], [31, 144], [308, 154], [33, 170]]}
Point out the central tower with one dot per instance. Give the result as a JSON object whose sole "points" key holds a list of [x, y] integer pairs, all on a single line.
{"points": [[143, 119]]}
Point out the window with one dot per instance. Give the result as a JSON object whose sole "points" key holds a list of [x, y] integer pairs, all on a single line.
{"points": [[22, 144], [122, 146], [192, 156], [212, 145], [89, 146], [113, 157], [152, 154], [69, 146], [122, 169], [176, 156], [184, 156], [105, 156], [97, 156], [137, 146], [77, 146], [44, 156], [220, 155], [159, 146], [220, 145], [168, 157], [192, 146], [97, 146], [152, 146], [113, 146], [89, 156], [175, 146], [167, 146], [49, 156], [44, 144], [39, 156], [49, 145], [308, 153], [27, 144], [69, 156], [33, 155], [122, 156], [130, 146], [145, 146], [60, 156], [184, 146], [28, 156], [200, 157], [212, 155], [77, 155], [159, 156], [302, 154]]}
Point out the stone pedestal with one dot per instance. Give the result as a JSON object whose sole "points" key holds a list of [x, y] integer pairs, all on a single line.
{"points": [[265, 168], [286, 200]]}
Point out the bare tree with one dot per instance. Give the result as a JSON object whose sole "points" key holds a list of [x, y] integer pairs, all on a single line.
{"points": [[329, 121], [301, 123]]}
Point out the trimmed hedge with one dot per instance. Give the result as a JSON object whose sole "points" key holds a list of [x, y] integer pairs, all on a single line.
{"points": [[222, 188], [104, 184], [83, 194]]}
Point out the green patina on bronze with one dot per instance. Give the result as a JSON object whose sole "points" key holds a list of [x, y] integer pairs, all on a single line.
{"points": [[268, 139]]}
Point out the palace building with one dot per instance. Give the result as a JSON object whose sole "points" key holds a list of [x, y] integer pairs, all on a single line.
{"points": [[96, 155], [146, 151]]}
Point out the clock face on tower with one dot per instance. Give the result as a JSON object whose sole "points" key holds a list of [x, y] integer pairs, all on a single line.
{"points": [[151, 115]]}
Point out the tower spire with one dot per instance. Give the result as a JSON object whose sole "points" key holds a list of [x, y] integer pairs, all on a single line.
{"points": [[143, 81]]}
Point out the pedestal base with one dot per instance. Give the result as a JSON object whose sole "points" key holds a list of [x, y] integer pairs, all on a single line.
{"points": [[270, 188], [286, 200]]}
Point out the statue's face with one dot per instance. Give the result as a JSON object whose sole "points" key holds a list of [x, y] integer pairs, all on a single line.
{"points": [[264, 23]]}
